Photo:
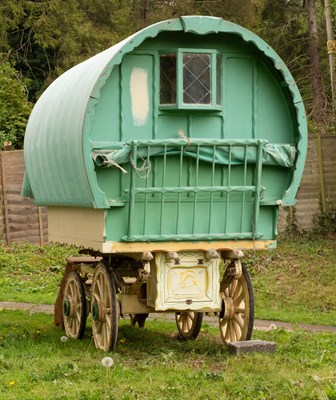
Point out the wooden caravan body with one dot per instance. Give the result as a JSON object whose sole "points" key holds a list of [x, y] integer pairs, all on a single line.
{"points": [[220, 162], [166, 155]]}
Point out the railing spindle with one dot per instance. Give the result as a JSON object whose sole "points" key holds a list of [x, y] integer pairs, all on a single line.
{"points": [[196, 185], [164, 170], [244, 193], [134, 156]]}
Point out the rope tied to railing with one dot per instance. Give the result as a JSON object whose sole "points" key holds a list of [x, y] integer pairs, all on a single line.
{"points": [[182, 136], [145, 168], [115, 164]]}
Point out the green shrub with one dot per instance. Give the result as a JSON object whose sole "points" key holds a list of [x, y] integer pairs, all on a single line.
{"points": [[14, 106]]}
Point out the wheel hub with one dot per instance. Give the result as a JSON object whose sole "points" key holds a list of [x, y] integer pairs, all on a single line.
{"points": [[67, 307], [98, 313]]}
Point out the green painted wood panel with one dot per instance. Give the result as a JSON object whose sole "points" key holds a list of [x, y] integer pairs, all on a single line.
{"points": [[200, 124], [106, 121], [137, 97], [275, 114], [239, 97], [170, 124]]}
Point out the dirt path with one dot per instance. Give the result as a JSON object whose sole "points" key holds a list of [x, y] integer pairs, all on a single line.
{"points": [[259, 324]]}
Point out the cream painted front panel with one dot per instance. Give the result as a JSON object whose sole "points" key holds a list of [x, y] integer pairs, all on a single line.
{"points": [[185, 283], [190, 284], [77, 226]]}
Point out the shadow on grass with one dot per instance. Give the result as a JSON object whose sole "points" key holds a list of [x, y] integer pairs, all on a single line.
{"points": [[157, 338]]}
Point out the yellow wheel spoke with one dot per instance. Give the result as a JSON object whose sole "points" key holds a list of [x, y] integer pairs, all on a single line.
{"points": [[228, 331], [237, 329], [239, 299], [223, 322], [237, 289], [99, 285], [184, 325]]}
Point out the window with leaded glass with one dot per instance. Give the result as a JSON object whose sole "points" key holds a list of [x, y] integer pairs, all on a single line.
{"points": [[168, 79], [196, 78], [191, 79]]}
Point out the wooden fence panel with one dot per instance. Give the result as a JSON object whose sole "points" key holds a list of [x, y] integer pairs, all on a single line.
{"points": [[319, 173], [329, 169], [22, 220], [307, 200]]}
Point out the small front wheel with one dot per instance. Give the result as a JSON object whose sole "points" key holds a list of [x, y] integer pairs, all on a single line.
{"points": [[189, 323], [74, 306]]}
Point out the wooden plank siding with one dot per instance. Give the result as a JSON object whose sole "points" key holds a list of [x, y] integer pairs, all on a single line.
{"points": [[308, 202], [22, 221]]}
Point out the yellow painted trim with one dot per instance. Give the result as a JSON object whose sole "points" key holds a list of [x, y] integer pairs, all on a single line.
{"points": [[139, 247]]}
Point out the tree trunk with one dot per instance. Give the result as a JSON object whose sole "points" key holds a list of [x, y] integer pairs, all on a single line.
{"points": [[331, 51], [319, 100]]}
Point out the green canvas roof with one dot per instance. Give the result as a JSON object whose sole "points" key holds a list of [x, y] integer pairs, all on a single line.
{"points": [[57, 150]]}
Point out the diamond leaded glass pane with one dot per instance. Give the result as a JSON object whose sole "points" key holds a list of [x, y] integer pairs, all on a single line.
{"points": [[196, 78], [168, 79]]}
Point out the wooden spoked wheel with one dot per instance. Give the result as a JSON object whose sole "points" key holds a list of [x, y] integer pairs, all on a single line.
{"points": [[237, 315], [189, 323], [74, 306], [104, 309]]}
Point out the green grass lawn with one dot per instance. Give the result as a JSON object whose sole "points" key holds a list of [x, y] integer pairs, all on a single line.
{"points": [[296, 282], [154, 364], [31, 273]]}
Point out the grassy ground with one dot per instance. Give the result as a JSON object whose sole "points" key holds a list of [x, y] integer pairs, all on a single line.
{"points": [[294, 283], [31, 273], [154, 364]]}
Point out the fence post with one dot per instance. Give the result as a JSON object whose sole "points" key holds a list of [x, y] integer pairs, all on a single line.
{"points": [[320, 168], [40, 225]]}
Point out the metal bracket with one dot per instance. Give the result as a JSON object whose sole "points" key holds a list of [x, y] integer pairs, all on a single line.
{"points": [[211, 254], [173, 255], [232, 254], [147, 256], [233, 271]]}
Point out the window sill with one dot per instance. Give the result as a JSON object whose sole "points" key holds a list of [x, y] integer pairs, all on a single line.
{"points": [[190, 107]]}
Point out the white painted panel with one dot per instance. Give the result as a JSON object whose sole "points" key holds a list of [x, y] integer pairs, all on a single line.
{"points": [[139, 96]]}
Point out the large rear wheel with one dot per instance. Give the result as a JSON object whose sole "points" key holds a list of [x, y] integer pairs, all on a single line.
{"points": [[104, 309], [237, 315]]}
